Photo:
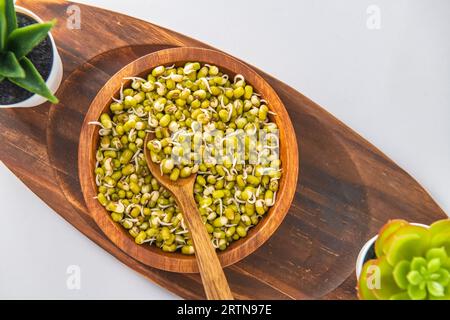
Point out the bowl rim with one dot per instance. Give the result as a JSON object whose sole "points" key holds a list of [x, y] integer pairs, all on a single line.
{"points": [[150, 255]]}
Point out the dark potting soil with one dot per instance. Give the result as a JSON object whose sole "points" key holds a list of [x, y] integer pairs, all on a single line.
{"points": [[42, 58], [370, 253]]}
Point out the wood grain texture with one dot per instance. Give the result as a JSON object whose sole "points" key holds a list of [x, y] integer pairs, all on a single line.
{"points": [[347, 191], [89, 138]]}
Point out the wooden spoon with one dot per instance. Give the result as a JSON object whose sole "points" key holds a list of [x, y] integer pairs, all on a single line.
{"points": [[214, 281]]}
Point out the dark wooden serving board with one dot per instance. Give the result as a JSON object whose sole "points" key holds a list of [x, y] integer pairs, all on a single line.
{"points": [[346, 191]]}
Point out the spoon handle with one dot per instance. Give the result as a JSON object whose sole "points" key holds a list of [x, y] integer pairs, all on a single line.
{"points": [[213, 278]]}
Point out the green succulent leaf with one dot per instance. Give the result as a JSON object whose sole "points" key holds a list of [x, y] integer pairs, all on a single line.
{"points": [[414, 277], [444, 277], [8, 21], [364, 292], [434, 276], [446, 296], [33, 81], [435, 288], [387, 230], [2, 78], [413, 263], [9, 66], [441, 226], [400, 272], [437, 253], [401, 296], [441, 240], [403, 248], [407, 242], [440, 234], [417, 263], [434, 265], [10, 15], [22, 40], [417, 292], [388, 287]]}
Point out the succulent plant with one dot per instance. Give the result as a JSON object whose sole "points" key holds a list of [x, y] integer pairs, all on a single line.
{"points": [[412, 263], [15, 44]]}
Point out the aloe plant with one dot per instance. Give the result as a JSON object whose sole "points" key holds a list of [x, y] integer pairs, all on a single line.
{"points": [[15, 44], [412, 263]]}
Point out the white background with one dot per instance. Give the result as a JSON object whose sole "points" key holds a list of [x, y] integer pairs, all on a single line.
{"points": [[392, 85]]}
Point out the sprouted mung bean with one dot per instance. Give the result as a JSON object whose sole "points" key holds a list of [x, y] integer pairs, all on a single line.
{"points": [[204, 123]]}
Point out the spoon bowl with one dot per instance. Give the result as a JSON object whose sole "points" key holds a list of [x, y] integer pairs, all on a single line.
{"points": [[173, 186]]}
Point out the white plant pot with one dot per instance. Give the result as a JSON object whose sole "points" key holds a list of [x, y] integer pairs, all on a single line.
{"points": [[56, 72], [362, 254]]}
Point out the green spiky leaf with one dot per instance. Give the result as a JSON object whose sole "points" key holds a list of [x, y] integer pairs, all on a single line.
{"points": [[9, 66], [22, 40], [10, 15], [3, 25], [33, 81]]}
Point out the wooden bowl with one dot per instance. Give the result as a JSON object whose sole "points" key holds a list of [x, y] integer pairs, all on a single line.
{"points": [[89, 138]]}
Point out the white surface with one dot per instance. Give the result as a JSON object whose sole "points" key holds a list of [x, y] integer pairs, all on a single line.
{"points": [[37, 247], [391, 85]]}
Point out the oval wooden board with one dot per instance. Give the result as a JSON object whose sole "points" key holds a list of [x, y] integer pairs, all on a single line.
{"points": [[347, 190]]}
